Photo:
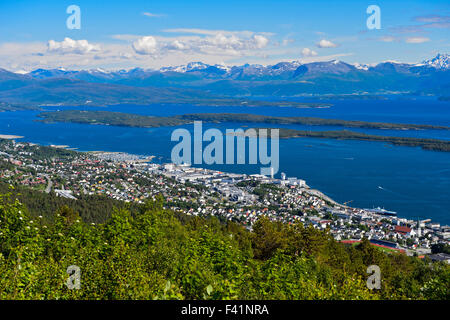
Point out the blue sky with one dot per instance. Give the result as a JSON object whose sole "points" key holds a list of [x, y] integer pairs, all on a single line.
{"points": [[150, 34]]}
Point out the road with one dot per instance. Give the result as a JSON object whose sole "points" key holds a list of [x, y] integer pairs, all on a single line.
{"points": [[49, 184]]}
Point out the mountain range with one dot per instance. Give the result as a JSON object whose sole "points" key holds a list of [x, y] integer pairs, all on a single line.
{"points": [[198, 80]]}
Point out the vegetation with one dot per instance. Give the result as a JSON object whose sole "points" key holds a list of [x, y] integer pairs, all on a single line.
{"points": [[96, 209], [148, 252], [263, 190], [31, 94], [135, 120], [440, 248], [43, 152], [427, 144], [424, 143], [9, 107]]}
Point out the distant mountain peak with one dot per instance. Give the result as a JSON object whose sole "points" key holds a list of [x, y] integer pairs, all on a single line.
{"points": [[100, 70], [362, 66], [21, 72], [391, 62], [294, 70], [441, 61], [191, 66]]}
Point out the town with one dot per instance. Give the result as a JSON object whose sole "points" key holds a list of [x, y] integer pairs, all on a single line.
{"points": [[202, 192]]}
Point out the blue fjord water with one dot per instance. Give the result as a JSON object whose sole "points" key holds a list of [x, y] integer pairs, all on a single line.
{"points": [[411, 181]]}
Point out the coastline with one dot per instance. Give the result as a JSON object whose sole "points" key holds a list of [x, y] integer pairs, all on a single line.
{"points": [[140, 158], [10, 137]]}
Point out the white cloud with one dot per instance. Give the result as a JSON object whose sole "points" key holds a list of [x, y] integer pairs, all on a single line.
{"points": [[218, 44], [126, 37], [153, 15], [134, 51], [34, 55], [432, 18], [417, 40], [70, 46], [286, 42], [170, 51], [326, 44], [387, 39], [145, 45], [177, 45], [229, 44], [307, 52], [208, 32], [260, 41]]}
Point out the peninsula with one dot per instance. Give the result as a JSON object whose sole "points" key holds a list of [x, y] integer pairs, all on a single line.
{"points": [[426, 144], [135, 120]]}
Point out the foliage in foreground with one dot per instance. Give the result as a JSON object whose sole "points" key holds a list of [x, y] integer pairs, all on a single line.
{"points": [[152, 253]]}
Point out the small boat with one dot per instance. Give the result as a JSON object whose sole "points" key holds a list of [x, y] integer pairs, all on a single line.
{"points": [[382, 211]]}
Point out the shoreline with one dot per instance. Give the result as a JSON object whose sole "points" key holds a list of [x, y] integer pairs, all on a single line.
{"points": [[141, 158], [10, 137]]}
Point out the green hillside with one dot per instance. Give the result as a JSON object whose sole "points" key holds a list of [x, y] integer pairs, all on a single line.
{"points": [[147, 252]]}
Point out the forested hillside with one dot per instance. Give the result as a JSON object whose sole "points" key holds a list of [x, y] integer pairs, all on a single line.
{"points": [[147, 252]]}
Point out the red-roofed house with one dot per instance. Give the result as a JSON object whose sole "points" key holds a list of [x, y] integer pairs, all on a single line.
{"points": [[404, 230]]}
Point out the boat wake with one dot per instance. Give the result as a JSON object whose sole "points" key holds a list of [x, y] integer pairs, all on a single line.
{"points": [[393, 192]]}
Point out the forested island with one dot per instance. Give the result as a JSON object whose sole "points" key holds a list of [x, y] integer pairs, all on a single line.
{"points": [[426, 144], [135, 120], [11, 107]]}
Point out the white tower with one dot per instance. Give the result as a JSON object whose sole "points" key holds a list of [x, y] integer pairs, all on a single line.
{"points": [[419, 230]]}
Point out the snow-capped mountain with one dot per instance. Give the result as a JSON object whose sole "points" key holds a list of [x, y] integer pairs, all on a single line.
{"points": [[51, 73], [327, 67], [257, 70], [362, 66], [281, 67], [283, 78], [279, 71], [191, 66], [198, 79], [441, 61]]}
